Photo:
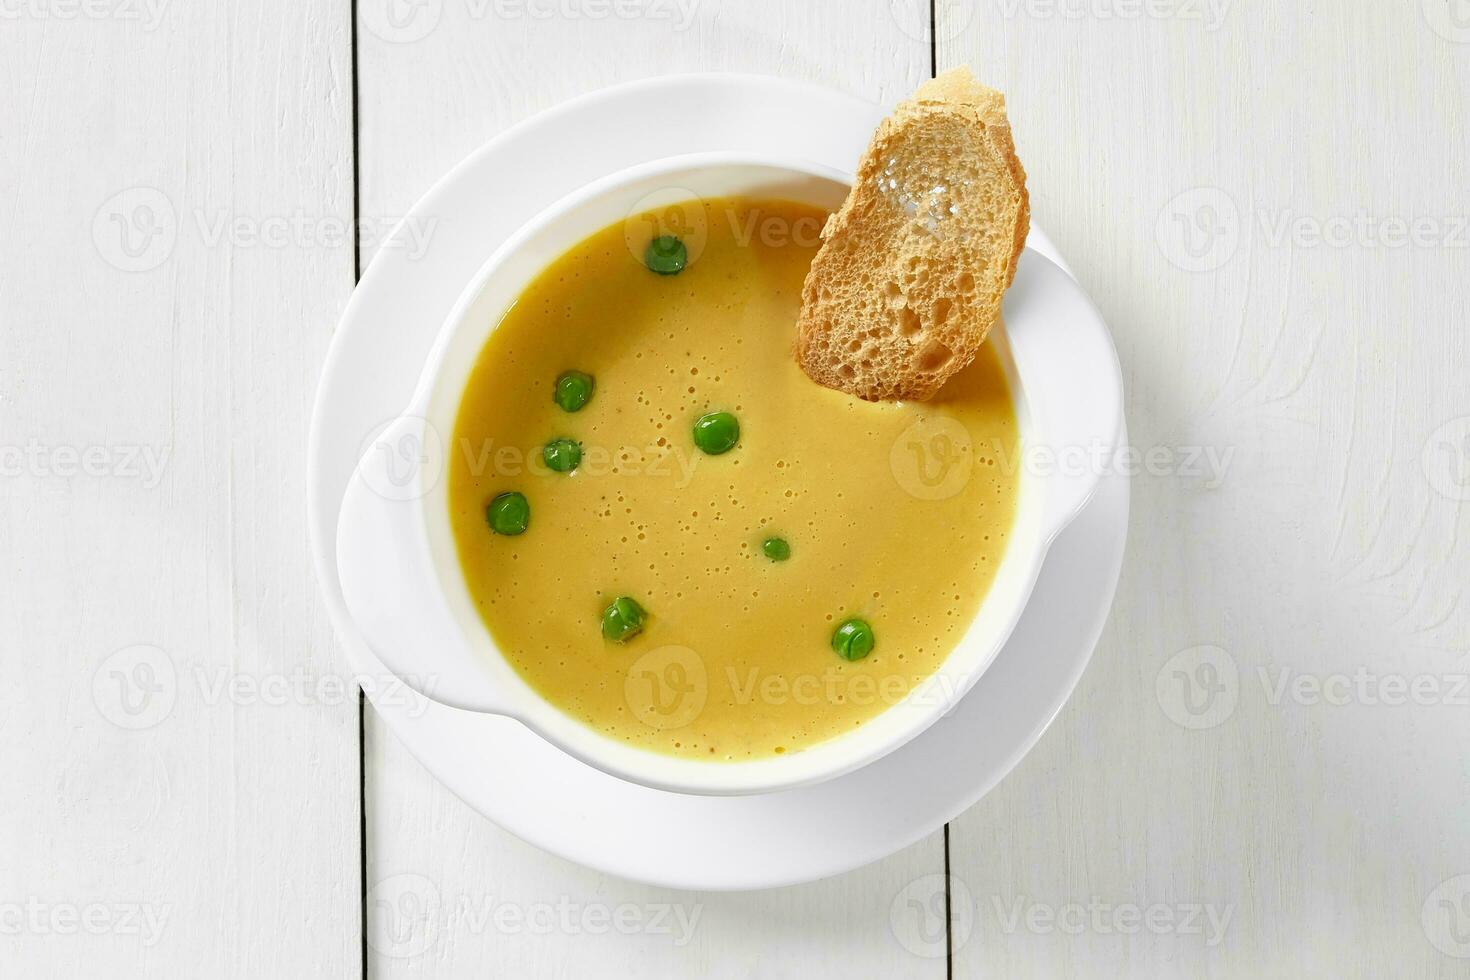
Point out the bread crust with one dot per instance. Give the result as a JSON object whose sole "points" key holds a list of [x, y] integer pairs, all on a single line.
{"points": [[914, 265]]}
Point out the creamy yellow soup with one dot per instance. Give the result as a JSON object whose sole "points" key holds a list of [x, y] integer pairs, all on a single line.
{"points": [[897, 514]]}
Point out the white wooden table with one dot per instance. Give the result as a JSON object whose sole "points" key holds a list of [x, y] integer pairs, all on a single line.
{"points": [[1264, 772]]}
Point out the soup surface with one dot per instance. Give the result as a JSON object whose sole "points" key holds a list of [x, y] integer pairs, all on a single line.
{"points": [[897, 514]]}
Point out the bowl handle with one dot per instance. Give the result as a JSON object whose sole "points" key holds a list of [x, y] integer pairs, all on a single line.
{"points": [[388, 577], [1073, 386]]}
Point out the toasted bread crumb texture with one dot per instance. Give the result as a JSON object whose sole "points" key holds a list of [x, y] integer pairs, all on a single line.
{"points": [[914, 266]]}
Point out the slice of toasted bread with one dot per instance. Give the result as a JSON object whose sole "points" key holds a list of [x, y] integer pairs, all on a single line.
{"points": [[912, 269]]}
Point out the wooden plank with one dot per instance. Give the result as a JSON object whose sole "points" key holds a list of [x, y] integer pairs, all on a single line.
{"points": [[1164, 154], [501, 907], [429, 98], [181, 785]]}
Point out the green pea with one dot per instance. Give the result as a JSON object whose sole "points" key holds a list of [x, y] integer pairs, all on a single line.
{"points": [[622, 620], [717, 432], [853, 640], [562, 455], [666, 255], [573, 390], [508, 513], [776, 549]]}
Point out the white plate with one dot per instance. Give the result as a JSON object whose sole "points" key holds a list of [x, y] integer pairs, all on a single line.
{"points": [[510, 774]]}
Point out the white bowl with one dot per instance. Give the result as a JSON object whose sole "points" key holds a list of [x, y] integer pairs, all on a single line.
{"points": [[398, 563]]}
